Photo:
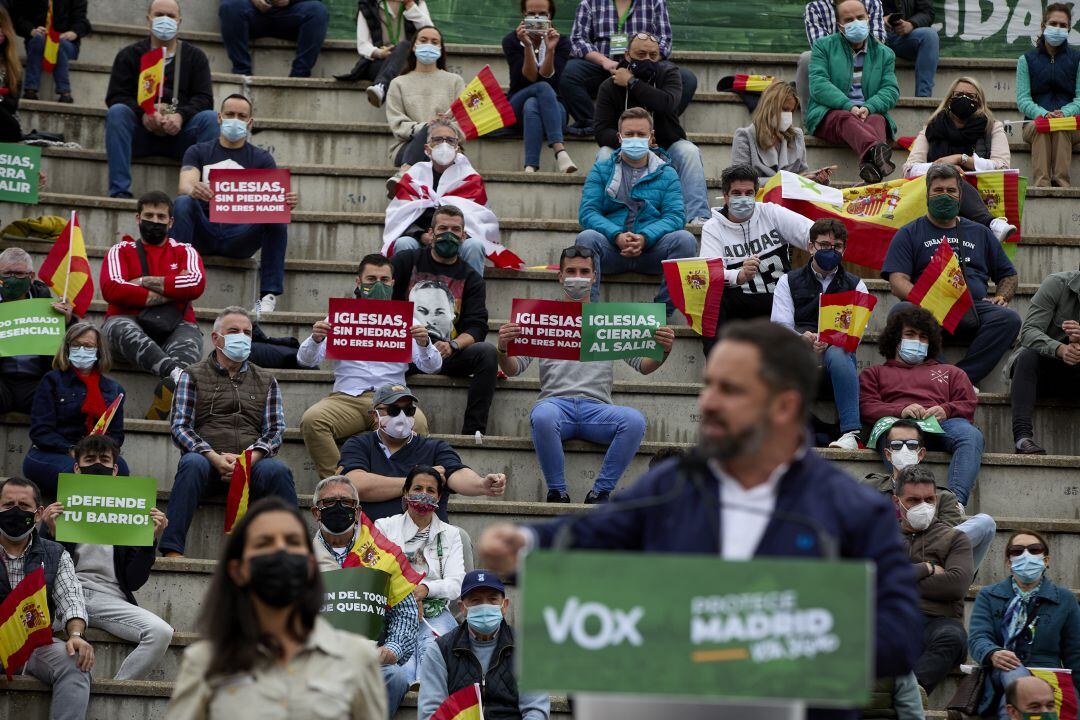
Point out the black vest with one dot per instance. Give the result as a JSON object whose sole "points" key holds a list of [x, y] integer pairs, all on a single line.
{"points": [[41, 552], [1052, 80], [498, 689], [805, 291]]}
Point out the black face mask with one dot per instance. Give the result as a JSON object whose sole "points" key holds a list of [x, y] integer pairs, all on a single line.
{"points": [[95, 469], [279, 578], [16, 523], [962, 107], [152, 232], [643, 69], [337, 518]]}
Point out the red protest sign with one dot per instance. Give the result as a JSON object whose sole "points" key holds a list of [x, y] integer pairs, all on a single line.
{"points": [[549, 329], [249, 196], [376, 330]]}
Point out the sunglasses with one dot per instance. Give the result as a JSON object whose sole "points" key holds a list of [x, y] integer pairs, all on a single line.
{"points": [[395, 410], [1018, 550], [646, 36], [897, 445], [577, 251], [331, 502]]}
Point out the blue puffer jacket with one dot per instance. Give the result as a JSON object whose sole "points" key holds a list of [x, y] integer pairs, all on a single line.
{"points": [[1055, 642], [662, 212], [57, 421]]}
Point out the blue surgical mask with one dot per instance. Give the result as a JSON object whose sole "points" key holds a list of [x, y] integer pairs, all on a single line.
{"points": [[164, 28], [1028, 568], [913, 352], [82, 358], [856, 31], [234, 129], [740, 207], [634, 148], [828, 260], [237, 347], [485, 619], [427, 53], [1055, 36]]}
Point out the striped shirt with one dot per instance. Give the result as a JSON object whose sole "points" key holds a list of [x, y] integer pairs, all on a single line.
{"points": [[856, 93], [66, 592], [820, 19], [597, 20]]}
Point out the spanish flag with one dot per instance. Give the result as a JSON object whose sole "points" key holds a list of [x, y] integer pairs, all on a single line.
{"points": [[462, 705], [236, 504], [696, 286], [52, 43], [1064, 690], [742, 83], [66, 268], [1045, 124], [151, 79], [102, 425], [482, 107], [842, 318], [374, 550], [942, 288], [1003, 194], [24, 621]]}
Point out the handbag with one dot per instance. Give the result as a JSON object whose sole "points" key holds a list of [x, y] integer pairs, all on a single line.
{"points": [[157, 321], [968, 694]]}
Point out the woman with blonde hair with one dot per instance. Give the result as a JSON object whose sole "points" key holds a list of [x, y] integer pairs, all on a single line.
{"points": [[963, 132], [772, 143]]}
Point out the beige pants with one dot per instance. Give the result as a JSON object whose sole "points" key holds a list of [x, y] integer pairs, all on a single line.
{"points": [[337, 418], [1051, 154]]}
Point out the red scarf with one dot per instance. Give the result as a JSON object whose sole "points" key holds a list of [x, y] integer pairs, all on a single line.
{"points": [[94, 406]]}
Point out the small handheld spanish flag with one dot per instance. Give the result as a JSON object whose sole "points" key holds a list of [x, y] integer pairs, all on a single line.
{"points": [[696, 286], [66, 268], [236, 504], [52, 43], [462, 705], [374, 550], [151, 79], [942, 288], [482, 107], [742, 82], [24, 621], [842, 318], [1057, 124], [1061, 681], [102, 425]]}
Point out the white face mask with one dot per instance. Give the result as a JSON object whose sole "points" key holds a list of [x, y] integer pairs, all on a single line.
{"points": [[576, 288], [786, 120], [399, 427], [920, 516], [904, 457], [443, 154]]}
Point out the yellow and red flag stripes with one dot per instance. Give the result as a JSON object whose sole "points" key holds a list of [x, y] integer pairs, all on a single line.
{"points": [[482, 107], [1003, 193], [462, 705], [102, 425], [942, 289], [1045, 124], [52, 43], [842, 318], [746, 83], [696, 286], [906, 142], [374, 550], [236, 504], [1061, 681], [67, 270], [24, 621], [151, 79]]}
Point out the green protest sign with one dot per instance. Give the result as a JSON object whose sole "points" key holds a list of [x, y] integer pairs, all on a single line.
{"points": [[356, 600], [19, 166], [696, 626], [30, 327], [610, 331], [881, 427], [106, 510]]}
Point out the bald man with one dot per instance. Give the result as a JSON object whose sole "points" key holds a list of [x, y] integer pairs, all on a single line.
{"points": [[1029, 696]]}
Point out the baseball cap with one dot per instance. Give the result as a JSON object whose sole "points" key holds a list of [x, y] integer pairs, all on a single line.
{"points": [[390, 394], [481, 579]]}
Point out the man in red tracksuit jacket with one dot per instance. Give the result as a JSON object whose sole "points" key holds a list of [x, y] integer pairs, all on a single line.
{"points": [[149, 285]]}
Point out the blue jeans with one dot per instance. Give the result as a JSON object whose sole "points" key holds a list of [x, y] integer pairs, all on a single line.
{"points": [[304, 21], [554, 420], [472, 251], [685, 157], [980, 530], [443, 623], [125, 137], [581, 79], [539, 113], [196, 479], [43, 466], [192, 225], [965, 442], [843, 375], [920, 45], [35, 53], [678, 244], [396, 680]]}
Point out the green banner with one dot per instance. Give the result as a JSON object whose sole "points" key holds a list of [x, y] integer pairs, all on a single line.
{"points": [[356, 600], [30, 327], [19, 167], [610, 331], [106, 510], [696, 626]]}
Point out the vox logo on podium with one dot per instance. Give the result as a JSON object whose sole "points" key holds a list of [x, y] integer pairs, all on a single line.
{"points": [[592, 625]]}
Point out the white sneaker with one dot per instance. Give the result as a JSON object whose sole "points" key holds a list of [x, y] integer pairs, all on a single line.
{"points": [[847, 441], [698, 221], [267, 304], [530, 169], [565, 163], [1002, 229], [392, 183], [375, 94]]}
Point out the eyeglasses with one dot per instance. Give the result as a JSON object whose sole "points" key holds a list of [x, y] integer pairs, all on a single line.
{"points": [[20, 275], [839, 247], [1018, 550], [395, 410], [331, 502], [451, 141], [577, 251], [897, 445]]}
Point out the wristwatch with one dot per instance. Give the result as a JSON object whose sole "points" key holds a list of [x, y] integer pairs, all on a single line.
{"points": [[75, 634], [964, 159], [454, 346]]}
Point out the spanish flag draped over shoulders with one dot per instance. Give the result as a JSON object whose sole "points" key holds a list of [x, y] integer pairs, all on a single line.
{"points": [[462, 705], [696, 286], [482, 107], [151, 79], [66, 268], [374, 550], [24, 621], [52, 43], [942, 288], [1061, 681], [842, 318], [236, 503]]}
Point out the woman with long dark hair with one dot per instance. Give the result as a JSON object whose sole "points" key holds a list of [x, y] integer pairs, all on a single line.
{"points": [[10, 75], [264, 644]]}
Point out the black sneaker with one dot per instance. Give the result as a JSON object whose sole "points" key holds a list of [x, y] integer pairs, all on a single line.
{"points": [[881, 157], [558, 496], [869, 174], [65, 98], [162, 403], [1027, 446], [30, 94], [597, 498]]}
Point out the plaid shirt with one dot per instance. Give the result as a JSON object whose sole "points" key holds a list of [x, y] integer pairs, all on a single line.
{"points": [[183, 423], [820, 19], [67, 593], [597, 20]]}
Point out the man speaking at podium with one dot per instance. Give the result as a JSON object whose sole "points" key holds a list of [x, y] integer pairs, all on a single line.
{"points": [[752, 488]]}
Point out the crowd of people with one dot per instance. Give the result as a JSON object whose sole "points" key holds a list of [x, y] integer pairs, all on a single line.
{"points": [[612, 79]]}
